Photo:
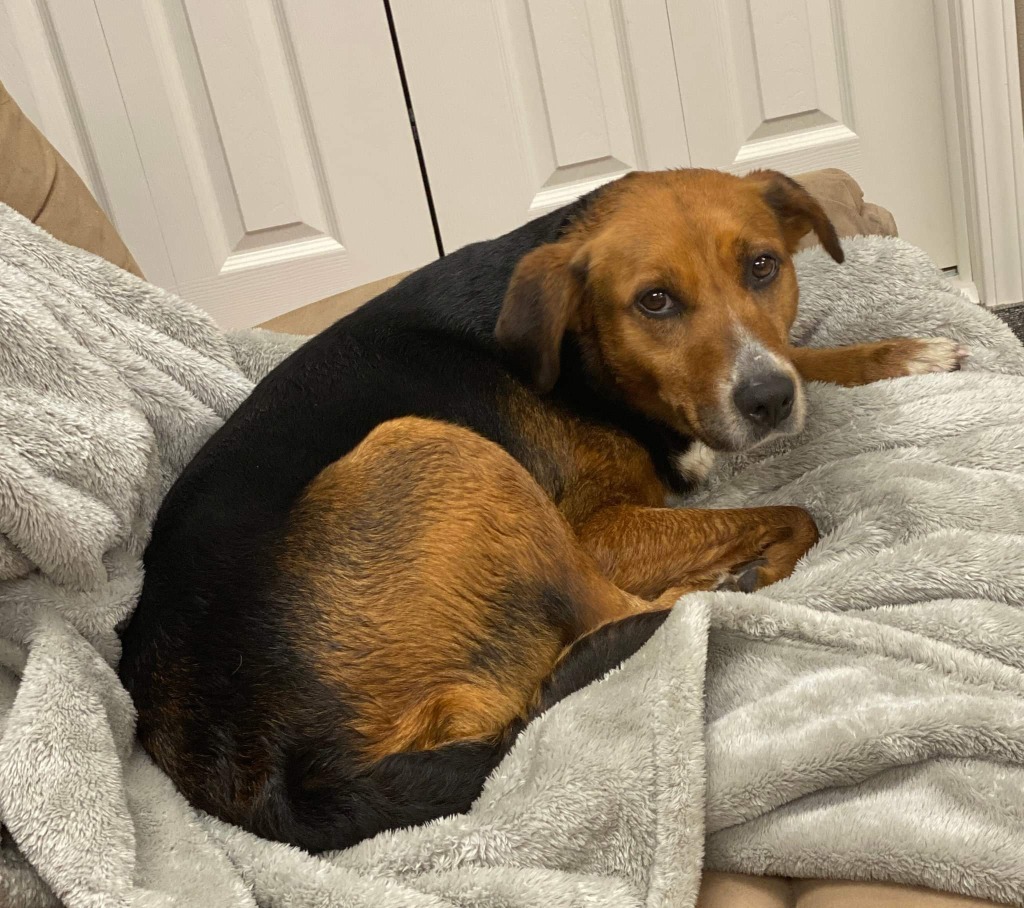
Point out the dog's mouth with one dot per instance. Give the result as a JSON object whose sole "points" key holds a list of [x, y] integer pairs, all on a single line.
{"points": [[728, 440], [723, 430]]}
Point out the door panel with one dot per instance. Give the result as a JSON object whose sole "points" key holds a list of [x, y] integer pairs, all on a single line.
{"points": [[523, 105], [763, 85], [276, 136], [270, 156], [895, 79], [802, 84], [55, 63]]}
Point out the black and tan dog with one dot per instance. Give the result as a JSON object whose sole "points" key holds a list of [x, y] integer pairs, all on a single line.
{"points": [[447, 511]]}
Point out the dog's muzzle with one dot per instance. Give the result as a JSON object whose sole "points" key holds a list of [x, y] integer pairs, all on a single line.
{"points": [[763, 399]]}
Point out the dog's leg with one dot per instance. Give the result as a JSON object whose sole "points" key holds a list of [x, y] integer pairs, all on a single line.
{"points": [[435, 583], [425, 588], [664, 552], [861, 364]]}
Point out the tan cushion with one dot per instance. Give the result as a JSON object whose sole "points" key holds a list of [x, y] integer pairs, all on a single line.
{"points": [[38, 183], [838, 894], [726, 890], [843, 200], [730, 890]]}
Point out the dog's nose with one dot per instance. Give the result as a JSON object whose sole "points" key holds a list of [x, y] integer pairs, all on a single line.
{"points": [[765, 401]]}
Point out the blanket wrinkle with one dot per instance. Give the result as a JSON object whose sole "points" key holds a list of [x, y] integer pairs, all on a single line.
{"points": [[862, 719]]}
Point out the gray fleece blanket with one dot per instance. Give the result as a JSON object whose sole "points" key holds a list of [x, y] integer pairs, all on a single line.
{"points": [[863, 719]]}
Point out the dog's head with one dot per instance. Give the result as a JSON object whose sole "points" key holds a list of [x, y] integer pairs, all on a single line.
{"points": [[680, 291]]}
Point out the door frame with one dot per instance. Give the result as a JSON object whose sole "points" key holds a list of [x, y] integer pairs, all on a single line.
{"points": [[985, 139]]}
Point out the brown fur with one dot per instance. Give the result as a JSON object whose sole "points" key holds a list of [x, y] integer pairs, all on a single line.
{"points": [[688, 232], [468, 531], [442, 649], [431, 607], [316, 629], [858, 364], [606, 487]]}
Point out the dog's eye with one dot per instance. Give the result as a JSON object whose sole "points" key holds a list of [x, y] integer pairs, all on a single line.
{"points": [[764, 268], [657, 303]]}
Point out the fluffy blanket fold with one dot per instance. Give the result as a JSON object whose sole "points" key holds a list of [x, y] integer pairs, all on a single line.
{"points": [[863, 719]]}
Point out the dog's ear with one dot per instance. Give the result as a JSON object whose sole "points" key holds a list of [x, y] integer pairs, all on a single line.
{"points": [[797, 210], [540, 303]]}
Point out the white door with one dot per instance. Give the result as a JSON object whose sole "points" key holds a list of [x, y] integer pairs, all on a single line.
{"points": [[256, 155], [521, 105]]}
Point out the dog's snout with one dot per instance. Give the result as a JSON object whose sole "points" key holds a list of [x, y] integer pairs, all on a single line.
{"points": [[765, 401]]}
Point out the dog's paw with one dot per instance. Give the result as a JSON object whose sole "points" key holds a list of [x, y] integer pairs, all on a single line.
{"points": [[920, 356], [696, 464], [742, 579], [784, 535]]}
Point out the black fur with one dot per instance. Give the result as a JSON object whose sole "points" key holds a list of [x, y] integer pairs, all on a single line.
{"points": [[591, 657], [423, 348]]}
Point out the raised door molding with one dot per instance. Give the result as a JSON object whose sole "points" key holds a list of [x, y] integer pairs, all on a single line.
{"points": [[55, 63], [276, 140], [765, 84], [523, 105], [256, 155]]}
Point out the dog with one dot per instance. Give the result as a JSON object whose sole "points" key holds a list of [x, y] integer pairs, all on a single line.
{"points": [[448, 511]]}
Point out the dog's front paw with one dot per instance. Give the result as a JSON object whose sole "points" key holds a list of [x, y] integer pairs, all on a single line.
{"points": [[922, 355], [696, 463]]}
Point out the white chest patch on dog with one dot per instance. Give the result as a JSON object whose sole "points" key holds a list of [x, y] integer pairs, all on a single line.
{"points": [[696, 463]]}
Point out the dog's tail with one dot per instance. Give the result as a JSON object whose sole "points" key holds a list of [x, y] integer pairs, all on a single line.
{"points": [[320, 805]]}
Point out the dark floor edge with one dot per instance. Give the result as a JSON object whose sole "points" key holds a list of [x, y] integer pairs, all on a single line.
{"points": [[1014, 317]]}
